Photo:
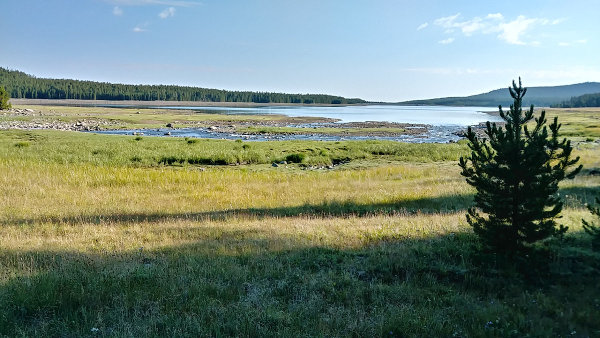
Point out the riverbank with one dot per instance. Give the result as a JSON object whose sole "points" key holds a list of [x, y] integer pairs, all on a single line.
{"points": [[168, 122], [259, 124]]}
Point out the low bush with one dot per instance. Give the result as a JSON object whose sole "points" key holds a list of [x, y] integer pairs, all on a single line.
{"points": [[295, 158]]}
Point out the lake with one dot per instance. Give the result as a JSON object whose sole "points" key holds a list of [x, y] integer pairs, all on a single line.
{"points": [[432, 115], [444, 122]]}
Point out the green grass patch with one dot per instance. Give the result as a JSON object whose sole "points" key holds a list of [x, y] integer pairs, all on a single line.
{"points": [[113, 150], [105, 235], [22, 144]]}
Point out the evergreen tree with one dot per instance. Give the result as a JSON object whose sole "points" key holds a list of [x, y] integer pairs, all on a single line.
{"points": [[4, 97], [591, 229], [516, 172]]}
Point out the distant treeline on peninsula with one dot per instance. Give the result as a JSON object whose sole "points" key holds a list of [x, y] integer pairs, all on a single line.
{"points": [[587, 100], [20, 85]]}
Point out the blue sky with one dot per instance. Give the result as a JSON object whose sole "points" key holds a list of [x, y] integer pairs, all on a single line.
{"points": [[376, 50]]}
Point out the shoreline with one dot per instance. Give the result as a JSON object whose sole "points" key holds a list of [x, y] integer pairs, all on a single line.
{"points": [[152, 104]]}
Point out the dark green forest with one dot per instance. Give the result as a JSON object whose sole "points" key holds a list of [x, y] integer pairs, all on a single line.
{"points": [[587, 100], [20, 85]]}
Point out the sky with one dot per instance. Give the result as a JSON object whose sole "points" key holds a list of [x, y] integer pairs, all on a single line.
{"points": [[376, 50]]}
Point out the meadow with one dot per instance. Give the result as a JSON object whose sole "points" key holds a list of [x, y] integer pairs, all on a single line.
{"points": [[104, 235]]}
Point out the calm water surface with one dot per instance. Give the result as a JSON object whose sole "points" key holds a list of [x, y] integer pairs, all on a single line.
{"points": [[432, 115], [444, 121]]}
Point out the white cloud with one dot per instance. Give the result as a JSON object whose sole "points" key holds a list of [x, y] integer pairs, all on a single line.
{"points": [[576, 42], [497, 16], [117, 11], [512, 32], [140, 29], [422, 26], [175, 3], [538, 76], [169, 12], [447, 22], [446, 41]]}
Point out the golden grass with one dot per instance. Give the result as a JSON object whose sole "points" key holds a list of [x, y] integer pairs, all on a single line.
{"points": [[376, 246]]}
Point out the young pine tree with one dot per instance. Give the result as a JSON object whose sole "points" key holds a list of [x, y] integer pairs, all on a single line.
{"points": [[4, 97], [591, 229], [516, 174]]}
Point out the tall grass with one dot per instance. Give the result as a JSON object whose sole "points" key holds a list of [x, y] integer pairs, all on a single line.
{"points": [[98, 237], [60, 147]]}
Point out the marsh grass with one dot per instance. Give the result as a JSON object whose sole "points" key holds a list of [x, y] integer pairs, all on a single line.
{"points": [[74, 147], [580, 123], [97, 233]]}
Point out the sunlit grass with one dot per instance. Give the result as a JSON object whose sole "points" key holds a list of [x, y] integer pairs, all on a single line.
{"points": [[97, 233], [581, 123]]}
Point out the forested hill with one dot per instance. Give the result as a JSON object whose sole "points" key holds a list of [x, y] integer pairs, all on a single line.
{"points": [[587, 100], [21, 85], [538, 96]]}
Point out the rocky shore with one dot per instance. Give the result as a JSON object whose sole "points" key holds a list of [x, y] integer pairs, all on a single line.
{"points": [[300, 127], [29, 119]]}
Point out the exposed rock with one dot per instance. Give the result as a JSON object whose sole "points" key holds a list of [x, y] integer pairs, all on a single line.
{"points": [[46, 123]]}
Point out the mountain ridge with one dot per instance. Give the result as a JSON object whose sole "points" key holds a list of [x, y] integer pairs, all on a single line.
{"points": [[544, 96]]}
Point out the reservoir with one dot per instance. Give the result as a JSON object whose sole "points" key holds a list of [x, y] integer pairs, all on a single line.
{"points": [[431, 115], [444, 124]]}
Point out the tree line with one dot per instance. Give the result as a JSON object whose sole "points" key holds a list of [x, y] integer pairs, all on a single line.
{"points": [[587, 100], [21, 85]]}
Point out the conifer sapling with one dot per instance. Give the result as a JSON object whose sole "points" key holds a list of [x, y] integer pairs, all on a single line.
{"points": [[591, 229], [516, 172]]}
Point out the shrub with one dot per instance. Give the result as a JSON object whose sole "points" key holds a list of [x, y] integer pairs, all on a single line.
{"points": [[295, 158], [4, 97], [22, 144]]}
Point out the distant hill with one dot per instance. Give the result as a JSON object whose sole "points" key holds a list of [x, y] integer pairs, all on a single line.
{"points": [[587, 100], [24, 86], [538, 96]]}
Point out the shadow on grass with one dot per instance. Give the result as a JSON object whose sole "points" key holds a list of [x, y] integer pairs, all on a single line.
{"points": [[592, 171], [443, 204], [255, 283], [573, 196], [577, 197]]}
